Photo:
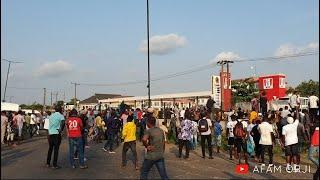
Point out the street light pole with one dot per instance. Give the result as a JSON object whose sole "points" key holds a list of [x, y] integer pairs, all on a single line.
{"points": [[149, 99], [5, 88]]}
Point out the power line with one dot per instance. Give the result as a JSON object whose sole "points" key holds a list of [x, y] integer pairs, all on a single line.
{"points": [[26, 88], [203, 67]]}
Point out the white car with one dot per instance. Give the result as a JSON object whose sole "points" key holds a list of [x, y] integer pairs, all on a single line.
{"points": [[284, 101]]}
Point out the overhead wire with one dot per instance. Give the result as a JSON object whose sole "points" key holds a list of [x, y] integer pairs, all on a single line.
{"points": [[204, 67]]}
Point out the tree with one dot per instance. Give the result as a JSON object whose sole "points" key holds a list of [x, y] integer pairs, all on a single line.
{"points": [[60, 103], [33, 106], [290, 90], [72, 101], [307, 88], [243, 90]]}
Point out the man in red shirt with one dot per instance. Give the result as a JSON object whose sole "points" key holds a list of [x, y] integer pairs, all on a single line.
{"points": [[74, 127], [314, 149]]}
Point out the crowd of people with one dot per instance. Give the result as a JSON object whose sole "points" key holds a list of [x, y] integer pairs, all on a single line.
{"points": [[16, 126], [249, 134]]}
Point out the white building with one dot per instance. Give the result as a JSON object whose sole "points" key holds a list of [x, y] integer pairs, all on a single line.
{"points": [[183, 100]]}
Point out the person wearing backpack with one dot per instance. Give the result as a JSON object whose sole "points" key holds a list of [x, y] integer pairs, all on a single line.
{"points": [[266, 139], [240, 140], [205, 126]]}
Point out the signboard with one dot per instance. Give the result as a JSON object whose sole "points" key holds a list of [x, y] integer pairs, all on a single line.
{"points": [[282, 83], [268, 83], [216, 90], [225, 80]]}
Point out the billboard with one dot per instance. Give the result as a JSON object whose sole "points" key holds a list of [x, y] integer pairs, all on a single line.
{"points": [[216, 90]]}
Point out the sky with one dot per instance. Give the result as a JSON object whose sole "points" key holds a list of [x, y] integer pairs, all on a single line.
{"points": [[104, 42]]}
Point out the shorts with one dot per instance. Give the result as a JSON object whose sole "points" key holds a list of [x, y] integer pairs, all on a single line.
{"points": [[292, 150], [231, 141], [300, 146], [10, 137], [19, 131], [217, 140], [240, 143]]}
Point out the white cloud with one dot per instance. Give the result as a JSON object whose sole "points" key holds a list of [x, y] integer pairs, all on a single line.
{"points": [[53, 69], [226, 56], [163, 44], [288, 49]]}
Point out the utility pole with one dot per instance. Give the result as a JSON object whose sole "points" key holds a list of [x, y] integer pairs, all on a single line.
{"points": [[75, 93], [64, 96], [56, 97], [44, 99], [149, 99], [51, 98], [5, 88]]}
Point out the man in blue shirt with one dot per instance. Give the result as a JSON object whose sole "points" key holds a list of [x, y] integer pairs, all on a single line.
{"points": [[56, 126], [217, 134]]}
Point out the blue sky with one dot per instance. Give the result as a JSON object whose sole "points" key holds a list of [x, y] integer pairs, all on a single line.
{"points": [[101, 41]]}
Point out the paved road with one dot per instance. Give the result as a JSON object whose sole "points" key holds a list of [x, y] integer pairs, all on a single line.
{"points": [[28, 161]]}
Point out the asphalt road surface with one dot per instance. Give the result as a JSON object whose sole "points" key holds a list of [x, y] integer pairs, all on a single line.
{"points": [[27, 161]]}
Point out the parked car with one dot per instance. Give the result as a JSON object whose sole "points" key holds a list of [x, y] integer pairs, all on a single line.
{"points": [[284, 101]]}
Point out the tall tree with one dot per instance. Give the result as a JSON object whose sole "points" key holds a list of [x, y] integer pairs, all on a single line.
{"points": [[306, 88]]}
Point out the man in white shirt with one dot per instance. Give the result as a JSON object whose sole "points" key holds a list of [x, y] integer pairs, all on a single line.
{"points": [[290, 133], [182, 112], [294, 101], [33, 124], [230, 125], [285, 112], [205, 136], [19, 120], [313, 106], [266, 140]]}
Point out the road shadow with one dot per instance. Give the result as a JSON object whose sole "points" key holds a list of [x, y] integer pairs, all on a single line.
{"points": [[12, 156]]}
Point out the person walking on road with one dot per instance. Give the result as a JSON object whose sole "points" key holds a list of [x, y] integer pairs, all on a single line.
{"points": [[111, 132], [4, 123], [266, 139], [185, 134], [129, 136], [230, 125], [205, 126], [74, 127], [56, 126], [217, 134], [290, 139], [19, 119], [153, 140], [33, 124], [313, 153]]}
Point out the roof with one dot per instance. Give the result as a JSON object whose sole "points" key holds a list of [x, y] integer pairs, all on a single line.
{"points": [[159, 97], [96, 97]]}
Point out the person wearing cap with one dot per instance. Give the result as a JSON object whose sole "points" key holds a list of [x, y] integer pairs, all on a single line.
{"points": [[290, 139], [56, 126], [74, 127]]}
